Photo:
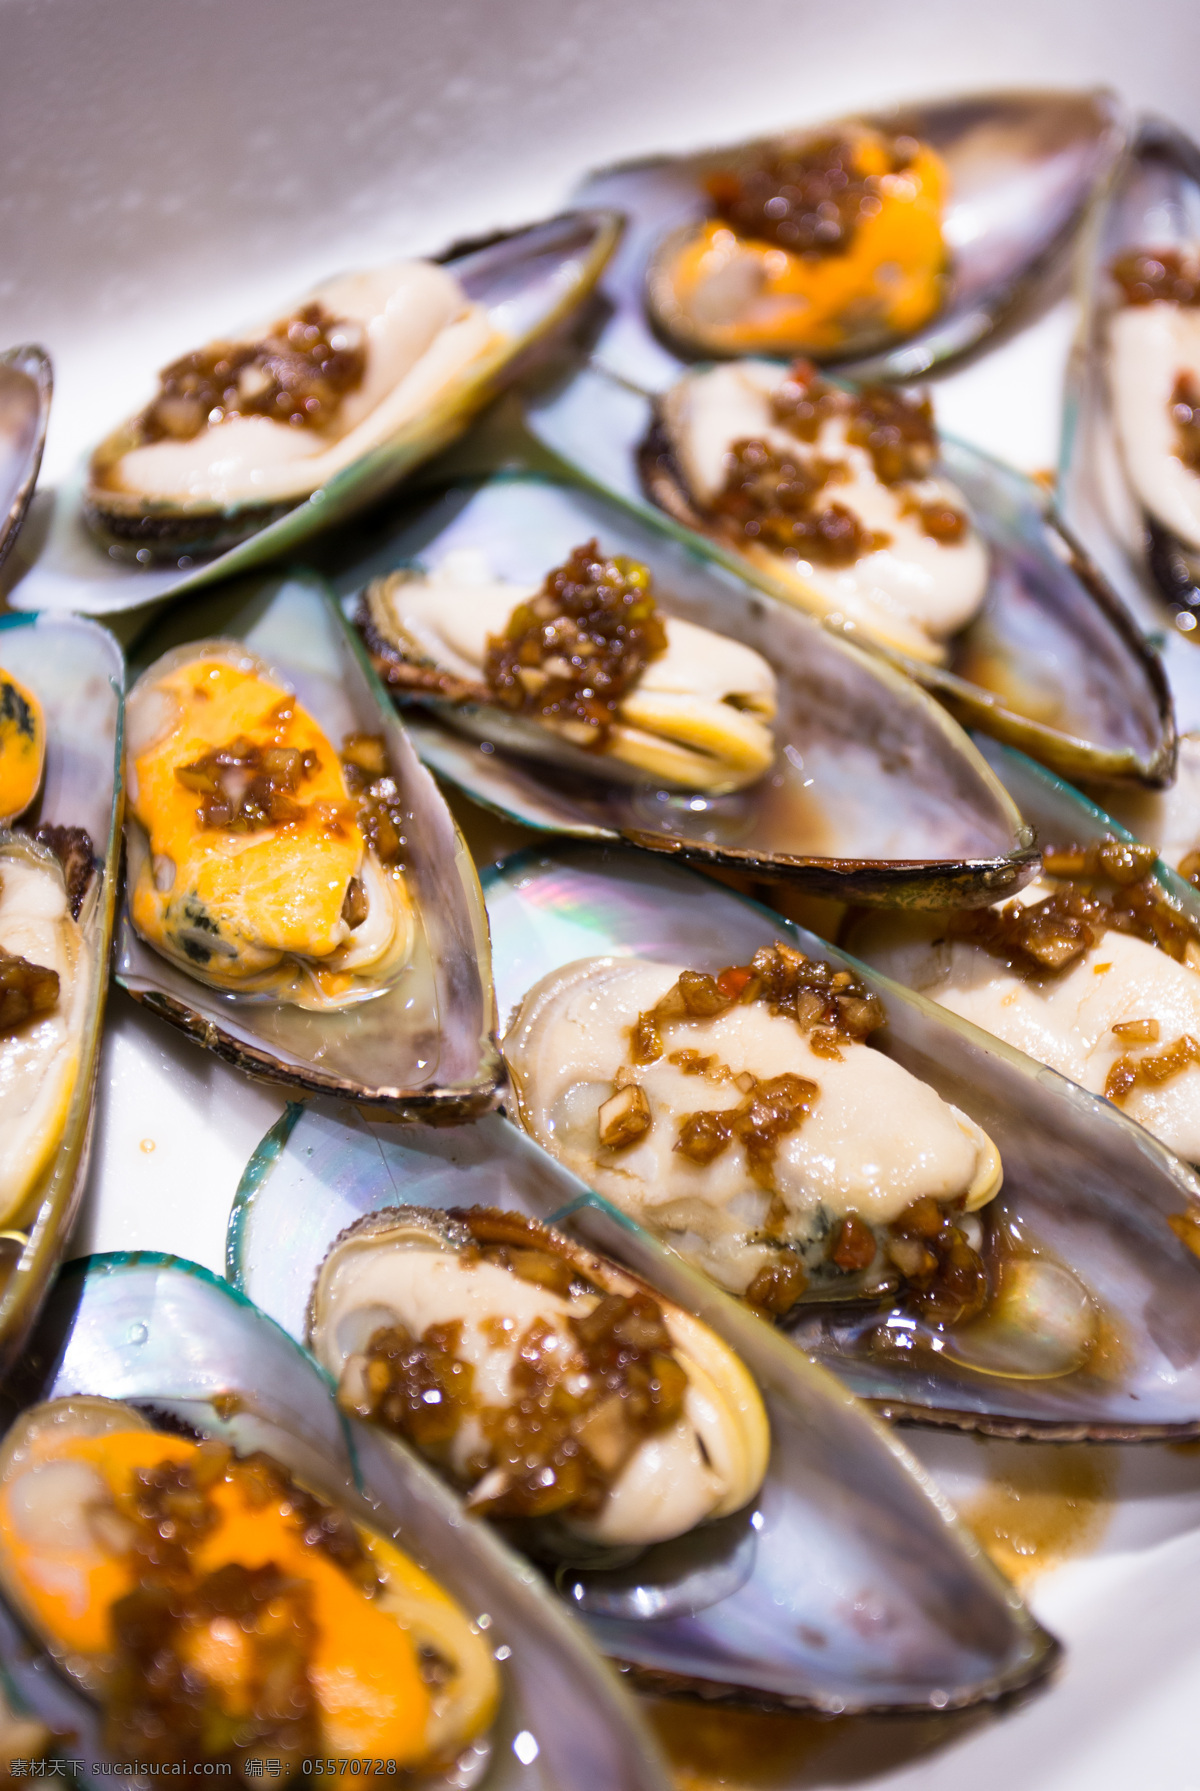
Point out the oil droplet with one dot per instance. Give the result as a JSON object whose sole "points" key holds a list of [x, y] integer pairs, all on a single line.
{"points": [[147, 1145], [1044, 1506], [138, 1333]]}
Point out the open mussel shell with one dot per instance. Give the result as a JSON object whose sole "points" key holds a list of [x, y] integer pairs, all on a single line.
{"points": [[529, 282], [1094, 1210], [425, 1046], [760, 1608], [76, 671], [1021, 167], [1052, 663], [26, 387], [875, 794], [170, 1339], [1152, 202]]}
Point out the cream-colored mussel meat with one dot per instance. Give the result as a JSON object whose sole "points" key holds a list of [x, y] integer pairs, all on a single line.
{"points": [[1154, 374], [584, 666], [44, 961], [833, 493], [266, 416], [1088, 970], [745, 1120], [546, 1383]]}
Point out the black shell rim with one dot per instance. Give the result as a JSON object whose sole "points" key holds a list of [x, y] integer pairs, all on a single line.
{"points": [[1065, 754], [431, 1106], [1018, 1430]]}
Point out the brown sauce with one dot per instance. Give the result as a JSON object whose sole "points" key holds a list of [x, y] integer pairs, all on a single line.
{"points": [[808, 199], [1154, 276], [572, 653], [299, 374], [575, 1418], [1045, 1504]]}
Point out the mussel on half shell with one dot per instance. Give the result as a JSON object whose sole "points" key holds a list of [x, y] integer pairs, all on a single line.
{"points": [[515, 291], [299, 899], [756, 1607], [1082, 1266], [60, 792], [153, 1385], [1127, 473], [1009, 623], [904, 236], [872, 792]]}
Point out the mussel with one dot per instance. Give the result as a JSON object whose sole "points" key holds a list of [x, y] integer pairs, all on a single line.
{"points": [[298, 896], [1129, 458], [904, 235], [216, 1608], [1064, 1306], [254, 444], [762, 1606], [846, 503], [568, 1399], [870, 789], [741, 1117], [60, 808], [216, 1566]]}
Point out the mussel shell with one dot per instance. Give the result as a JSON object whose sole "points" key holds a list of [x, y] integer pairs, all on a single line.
{"points": [[26, 387], [844, 1521], [1098, 704], [531, 281], [1022, 166], [1084, 1187], [876, 795], [1152, 201], [78, 673], [166, 1336], [435, 1057]]}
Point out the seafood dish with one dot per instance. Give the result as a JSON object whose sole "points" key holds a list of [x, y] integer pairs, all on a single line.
{"points": [[589, 659], [896, 239], [255, 868], [742, 1116], [756, 1606], [297, 896], [256, 442], [1091, 969], [960, 1234], [829, 243], [572, 1401], [754, 740], [847, 503], [60, 802], [216, 1608], [835, 492], [209, 1564]]}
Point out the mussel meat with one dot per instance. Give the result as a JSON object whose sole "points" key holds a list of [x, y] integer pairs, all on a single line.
{"points": [[836, 494], [1092, 969], [743, 1118], [250, 425], [261, 860], [219, 1610], [827, 243], [550, 1386], [584, 670]]}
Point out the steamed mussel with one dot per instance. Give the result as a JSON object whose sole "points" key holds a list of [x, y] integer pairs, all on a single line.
{"points": [[554, 1390], [1093, 969], [218, 1610], [585, 670], [742, 1117], [836, 494], [262, 860], [903, 235]]}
